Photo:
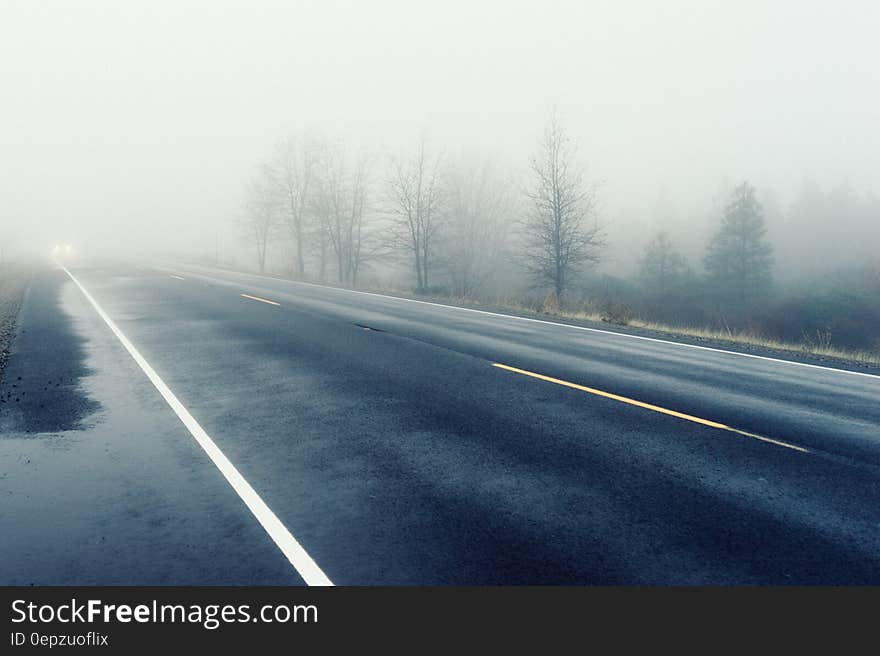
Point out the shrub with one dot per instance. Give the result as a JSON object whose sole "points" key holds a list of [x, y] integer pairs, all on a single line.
{"points": [[619, 313], [551, 304]]}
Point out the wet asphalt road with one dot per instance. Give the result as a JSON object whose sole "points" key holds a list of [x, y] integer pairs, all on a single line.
{"points": [[382, 436]]}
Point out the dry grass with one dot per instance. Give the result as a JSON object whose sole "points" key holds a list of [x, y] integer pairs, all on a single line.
{"points": [[813, 348], [750, 339]]}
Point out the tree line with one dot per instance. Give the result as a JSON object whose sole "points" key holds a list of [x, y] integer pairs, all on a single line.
{"points": [[464, 227], [738, 263], [444, 220]]}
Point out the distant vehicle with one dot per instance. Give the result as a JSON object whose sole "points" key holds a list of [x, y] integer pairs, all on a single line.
{"points": [[62, 249]]}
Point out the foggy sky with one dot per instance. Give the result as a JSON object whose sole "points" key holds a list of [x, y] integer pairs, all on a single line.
{"points": [[139, 122]]}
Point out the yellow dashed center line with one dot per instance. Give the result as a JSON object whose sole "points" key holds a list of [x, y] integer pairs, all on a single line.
{"points": [[648, 406], [261, 300]]}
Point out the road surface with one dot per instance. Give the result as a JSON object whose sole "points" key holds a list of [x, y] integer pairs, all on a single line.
{"points": [[182, 425]]}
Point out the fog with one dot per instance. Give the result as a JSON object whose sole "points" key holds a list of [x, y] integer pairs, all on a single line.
{"points": [[137, 126]]}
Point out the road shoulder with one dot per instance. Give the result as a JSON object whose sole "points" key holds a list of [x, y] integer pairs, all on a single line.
{"points": [[14, 282]]}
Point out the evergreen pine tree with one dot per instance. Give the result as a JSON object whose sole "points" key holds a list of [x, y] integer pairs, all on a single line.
{"points": [[739, 260]]}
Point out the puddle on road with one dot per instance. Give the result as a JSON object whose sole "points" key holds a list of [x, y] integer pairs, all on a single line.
{"points": [[42, 389]]}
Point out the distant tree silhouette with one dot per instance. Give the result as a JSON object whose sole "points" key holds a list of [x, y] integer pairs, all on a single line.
{"points": [[477, 208], [414, 210], [562, 234], [739, 260], [290, 172], [662, 267], [260, 222]]}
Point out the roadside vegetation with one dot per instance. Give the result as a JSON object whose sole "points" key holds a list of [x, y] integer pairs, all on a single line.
{"points": [[465, 230]]}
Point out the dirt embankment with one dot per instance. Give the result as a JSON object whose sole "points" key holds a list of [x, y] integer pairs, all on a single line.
{"points": [[14, 281]]}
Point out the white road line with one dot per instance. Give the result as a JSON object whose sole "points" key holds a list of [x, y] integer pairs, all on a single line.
{"points": [[261, 300], [556, 323], [293, 550]]}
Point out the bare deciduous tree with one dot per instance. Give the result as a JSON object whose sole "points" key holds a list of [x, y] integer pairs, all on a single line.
{"points": [[261, 221], [413, 208], [290, 172], [357, 242], [561, 231], [739, 260], [340, 202], [322, 206], [477, 207]]}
